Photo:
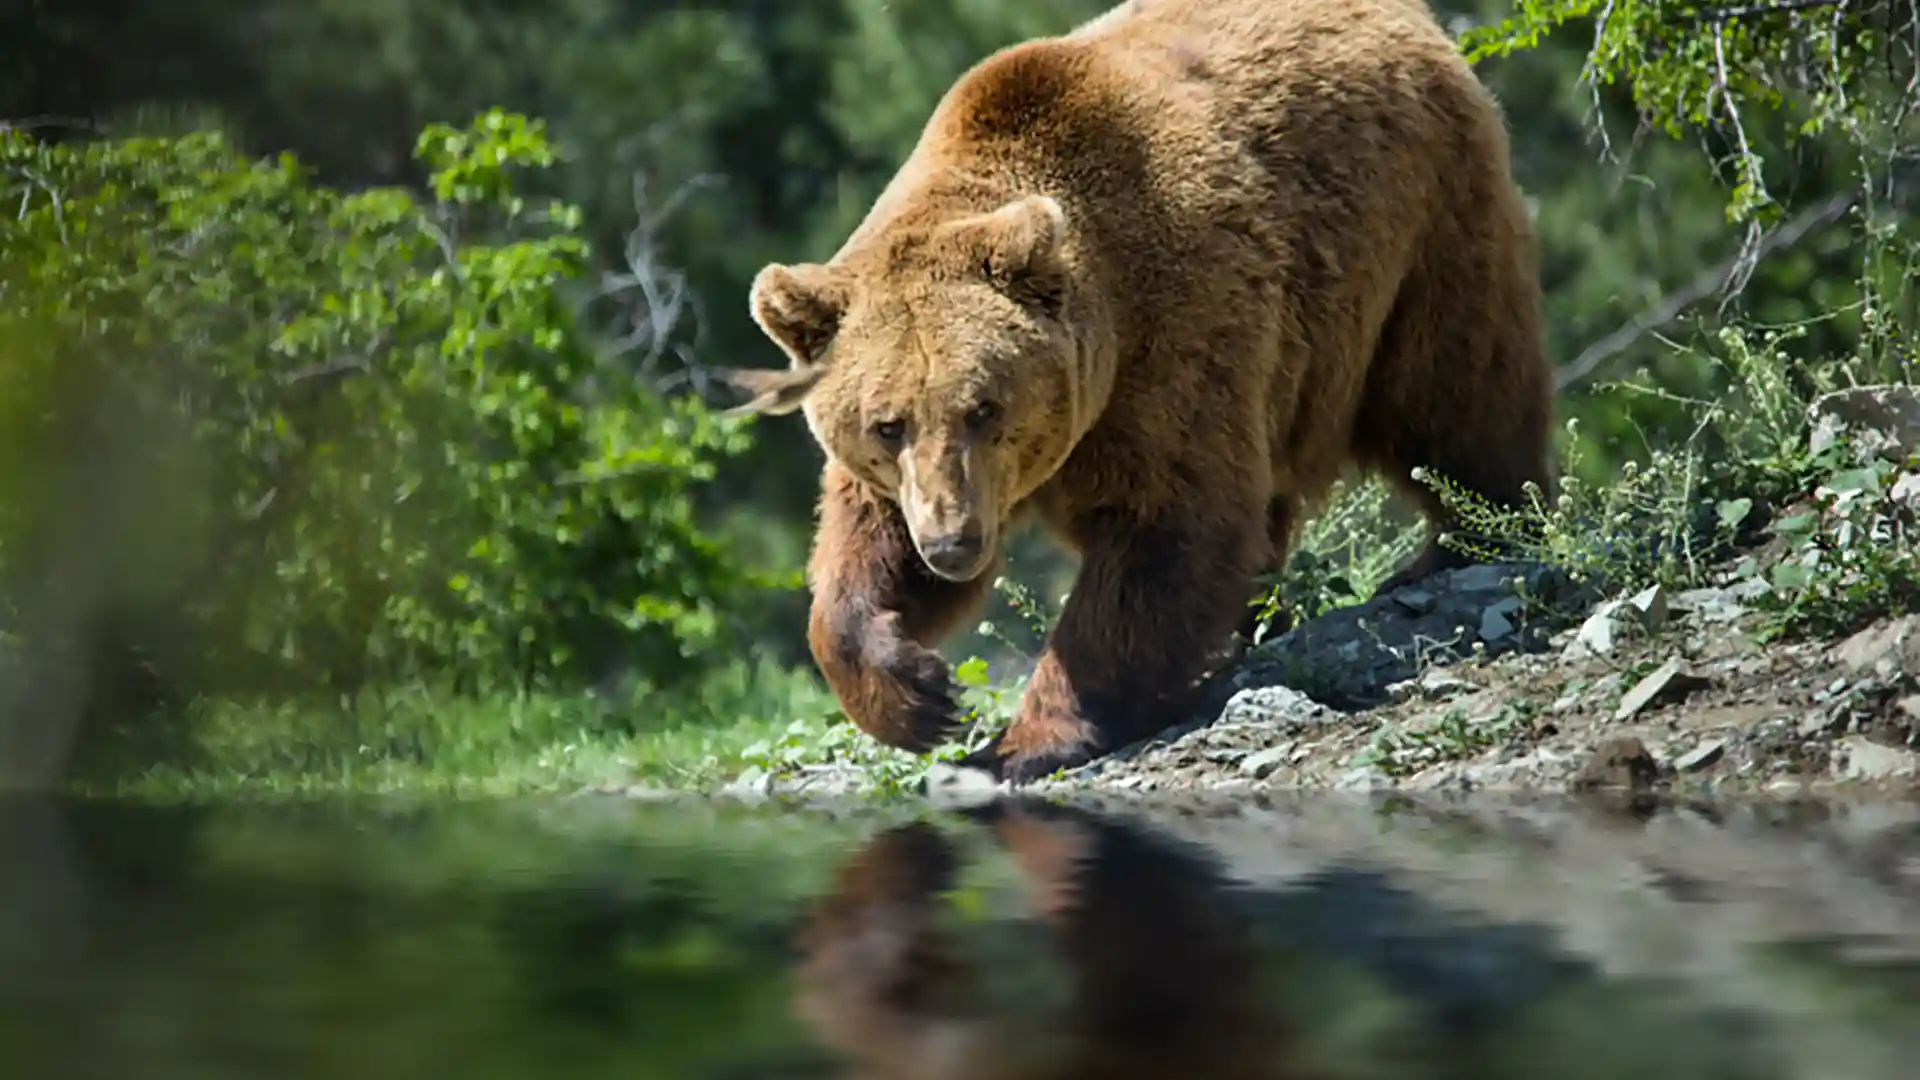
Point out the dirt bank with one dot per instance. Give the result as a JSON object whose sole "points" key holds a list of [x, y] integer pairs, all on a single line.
{"points": [[1458, 684]]}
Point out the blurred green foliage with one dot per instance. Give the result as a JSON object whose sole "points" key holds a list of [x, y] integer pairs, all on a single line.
{"points": [[375, 444]]}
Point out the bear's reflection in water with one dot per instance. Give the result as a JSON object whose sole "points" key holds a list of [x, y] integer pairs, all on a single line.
{"points": [[1160, 969]]}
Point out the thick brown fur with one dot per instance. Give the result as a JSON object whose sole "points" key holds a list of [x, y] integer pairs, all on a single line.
{"points": [[1157, 283], [1162, 976]]}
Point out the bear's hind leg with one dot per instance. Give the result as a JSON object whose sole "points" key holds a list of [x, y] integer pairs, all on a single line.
{"points": [[1153, 603], [1496, 470], [1459, 387], [877, 612]]}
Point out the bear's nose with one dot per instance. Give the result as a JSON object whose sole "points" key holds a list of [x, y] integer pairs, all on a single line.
{"points": [[952, 555]]}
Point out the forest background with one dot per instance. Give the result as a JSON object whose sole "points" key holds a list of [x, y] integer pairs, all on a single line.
{"points": [[351, 411]]}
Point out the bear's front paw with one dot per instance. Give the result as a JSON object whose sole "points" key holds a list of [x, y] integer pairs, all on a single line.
{"points": [[1040, 742], [908, 701]]}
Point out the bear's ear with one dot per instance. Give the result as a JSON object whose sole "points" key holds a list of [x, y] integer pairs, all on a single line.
{"points": [[1023, 244], [799, 307], [775, 393]]}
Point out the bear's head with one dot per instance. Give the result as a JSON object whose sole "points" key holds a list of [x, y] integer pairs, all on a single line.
{"points": [[938, 364]]}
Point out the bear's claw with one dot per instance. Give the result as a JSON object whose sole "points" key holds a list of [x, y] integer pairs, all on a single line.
{"points": [[917, 707]]}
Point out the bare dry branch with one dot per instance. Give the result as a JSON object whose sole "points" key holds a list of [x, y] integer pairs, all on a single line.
{"points": [[654, 321], [1593, 85], [1719, 277], [1736, 12]]}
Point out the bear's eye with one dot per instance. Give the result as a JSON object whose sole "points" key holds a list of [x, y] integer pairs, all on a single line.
{"points": [[982, 414], [890, 431]]}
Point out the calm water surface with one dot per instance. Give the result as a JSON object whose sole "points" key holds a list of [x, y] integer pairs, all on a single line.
{"points": [[598, 937]]}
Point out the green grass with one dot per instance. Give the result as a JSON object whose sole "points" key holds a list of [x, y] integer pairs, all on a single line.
{"points": [[751, 717], [421, 741]]}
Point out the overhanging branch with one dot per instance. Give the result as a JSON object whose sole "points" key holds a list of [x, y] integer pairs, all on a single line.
{"points": [[1584, 366]]}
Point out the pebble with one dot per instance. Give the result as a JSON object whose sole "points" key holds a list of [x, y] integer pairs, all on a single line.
{"points": [[1863, 759], [1701, 756], [1668, 682], [953, 786], [1418, 601], [1649, 607], [1261, 765]]}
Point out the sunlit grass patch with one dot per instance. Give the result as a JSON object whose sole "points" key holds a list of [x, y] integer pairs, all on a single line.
{"points": [[425, 741]]}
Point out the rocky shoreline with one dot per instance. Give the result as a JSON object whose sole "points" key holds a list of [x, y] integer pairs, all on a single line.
{"points": [[1457, 685], [1654, 692]]}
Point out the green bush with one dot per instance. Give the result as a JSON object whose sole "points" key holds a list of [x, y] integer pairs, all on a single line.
{"points": [[267, 436], [1761, 77]]}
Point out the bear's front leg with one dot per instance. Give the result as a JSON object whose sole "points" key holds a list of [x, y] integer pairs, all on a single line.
{"points": [[1152, 605], [877, 613]]}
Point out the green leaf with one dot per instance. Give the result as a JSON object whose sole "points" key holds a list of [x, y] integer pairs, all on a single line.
{"points": [[1796, 524], [971, 673], [1734, 511]]}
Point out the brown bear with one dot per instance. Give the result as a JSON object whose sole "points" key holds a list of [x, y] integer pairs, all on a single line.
{"points": [[1162, 975], [1158, 283]]}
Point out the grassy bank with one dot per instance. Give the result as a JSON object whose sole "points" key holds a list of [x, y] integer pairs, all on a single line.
{"points": [[423, 740], [751, 718]]}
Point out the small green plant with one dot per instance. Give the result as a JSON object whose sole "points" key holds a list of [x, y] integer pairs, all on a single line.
{"points": [[1400, 750], [1850, 556], [1623, 535], [828, 740], [1691, 507], [1026, 606], [991, 705], [1343, 552]]}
